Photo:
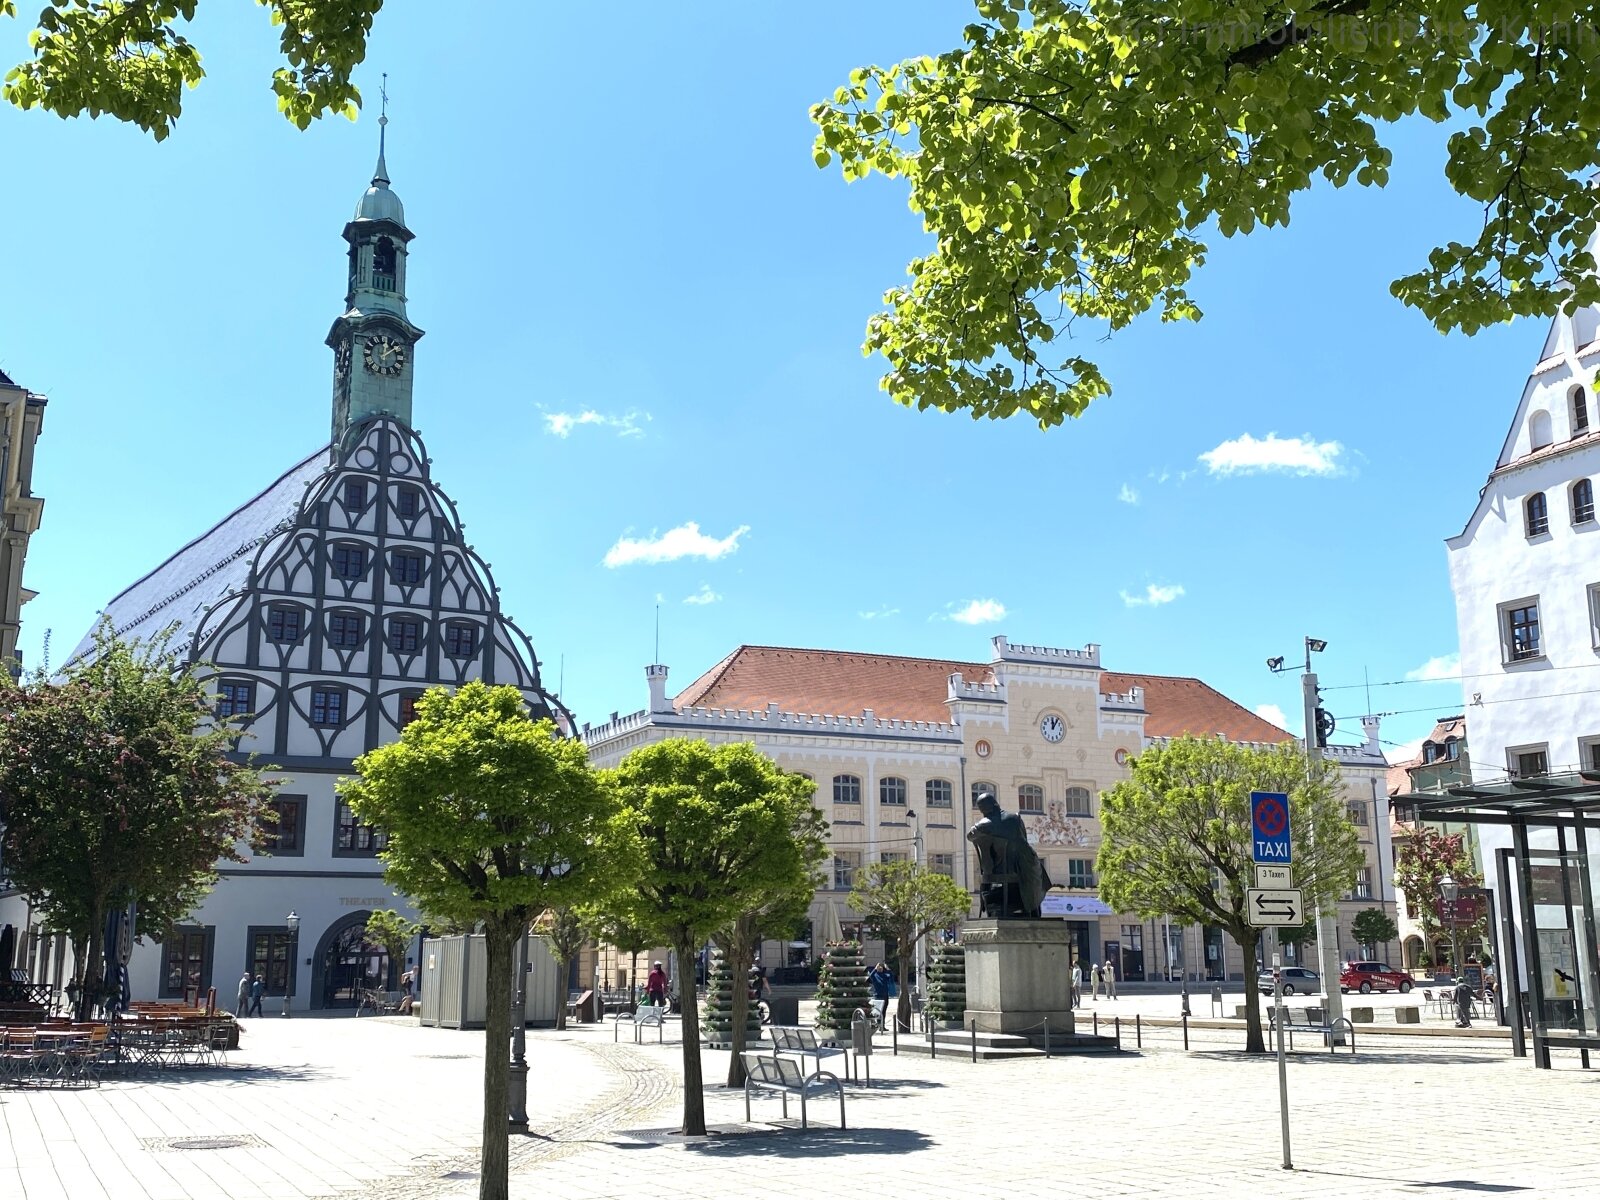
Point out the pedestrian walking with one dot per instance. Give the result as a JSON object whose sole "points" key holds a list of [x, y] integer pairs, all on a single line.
{"points": [[1464, 998], [1077, 983], [655, 986], [1094, 981], [1109, 974], [256, 989], [244, 995]]}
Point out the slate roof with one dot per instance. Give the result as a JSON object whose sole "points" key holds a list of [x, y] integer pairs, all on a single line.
{"points": [[181, 590], [843, 683], [6, 380]]}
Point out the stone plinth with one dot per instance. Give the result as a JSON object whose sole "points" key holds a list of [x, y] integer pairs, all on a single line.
{"points": [[1019, 974]]}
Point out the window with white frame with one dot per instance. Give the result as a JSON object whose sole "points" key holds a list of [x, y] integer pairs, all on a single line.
{"points": [[847, 789], [938, 793], [980, 788], [1528, 762], [1519, 630], [1363, 887], [1580, 412], [1079, 803], [1358, 814], [845, 865], [1030, 798], [1589, 753], [1080, 872], [942, 864], [1536, 510], [893, 856], [1582, 494], [892, 791]]}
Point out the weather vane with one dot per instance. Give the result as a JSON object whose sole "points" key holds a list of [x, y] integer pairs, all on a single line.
{"points": [[383, 91]]}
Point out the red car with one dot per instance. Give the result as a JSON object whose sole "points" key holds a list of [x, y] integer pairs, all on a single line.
{"points": [[1372, 976]]}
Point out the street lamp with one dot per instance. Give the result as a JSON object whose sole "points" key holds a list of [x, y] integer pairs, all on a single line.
{"points": [[1450, 890], [292, 921], [919, 951]]}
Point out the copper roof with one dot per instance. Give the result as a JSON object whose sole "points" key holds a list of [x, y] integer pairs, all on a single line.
{"points": [[844, 683]]}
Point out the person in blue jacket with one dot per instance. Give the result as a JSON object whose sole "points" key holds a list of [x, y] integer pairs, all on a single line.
{"points": [[882, 981]]}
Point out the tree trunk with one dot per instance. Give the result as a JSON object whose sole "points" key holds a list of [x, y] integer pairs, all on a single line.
{"points": [[694, 1098], [91, 982], [902, 1007], [499, 940], [561, 991], [1249, 939], [741, 951]]}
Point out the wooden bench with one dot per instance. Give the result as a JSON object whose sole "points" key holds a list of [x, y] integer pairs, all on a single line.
{"points": [[646, 1016], [1300, 1019], [784, 1076], [801, 1041]]}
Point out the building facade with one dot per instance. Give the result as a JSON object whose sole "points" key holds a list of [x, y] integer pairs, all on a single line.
{"points": [[324, 606], [899, 747], [21, 420]]}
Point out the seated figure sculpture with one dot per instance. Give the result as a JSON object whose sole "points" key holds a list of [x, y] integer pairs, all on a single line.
{"points": [[1012, 880]]}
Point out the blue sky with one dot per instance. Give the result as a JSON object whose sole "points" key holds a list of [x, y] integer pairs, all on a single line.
{"points": [[642, 376]]}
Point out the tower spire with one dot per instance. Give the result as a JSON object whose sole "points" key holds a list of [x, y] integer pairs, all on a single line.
{"points": [[381, 175]]}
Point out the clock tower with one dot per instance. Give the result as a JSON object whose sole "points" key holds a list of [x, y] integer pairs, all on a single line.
{"points": [[374, 341]]}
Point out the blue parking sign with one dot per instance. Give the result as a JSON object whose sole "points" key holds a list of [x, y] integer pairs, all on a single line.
{"points": [[1269, 827]]}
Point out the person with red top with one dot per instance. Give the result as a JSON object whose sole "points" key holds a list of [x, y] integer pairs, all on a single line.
{"points": [[655, 987]]}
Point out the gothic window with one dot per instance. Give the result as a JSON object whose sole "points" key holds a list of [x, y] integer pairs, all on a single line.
{"points": [[1030, 798], [345, 630], [892, 791], [938, 793], [847, 789], [405, 635], [460, 639], [284, 623], [349, 560], [408, 501], [355, 494], [1078, 802], [406, 566], [327, 707], [383, 265], [1580, 412], [1582, 502], [235, 698], [1537, 513]]}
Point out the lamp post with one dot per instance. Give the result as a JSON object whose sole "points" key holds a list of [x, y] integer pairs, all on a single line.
{"points": [[517, 1090], [292, 922], [1450, 890], [919, 952], [1183, 966]]}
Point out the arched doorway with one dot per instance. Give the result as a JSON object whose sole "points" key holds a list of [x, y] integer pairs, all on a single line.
{"points": [[1411, 952], [345, 962]]}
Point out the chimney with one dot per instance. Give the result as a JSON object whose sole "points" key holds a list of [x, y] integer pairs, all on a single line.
{"points": [[1369, 726], [656, 676]]}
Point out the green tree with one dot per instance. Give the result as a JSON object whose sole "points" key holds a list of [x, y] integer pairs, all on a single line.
{"points": [[719, 831], [1299, 935], [393, 932], [906, 901], [563, 930], [491, 818], [1420, 866], [1176, 839], [1373, 927], [118, 788], [129, 58], [1069, 156]]}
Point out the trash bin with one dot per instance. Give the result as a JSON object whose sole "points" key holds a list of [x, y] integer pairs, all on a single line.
{"points": [[785, 1010], [861, 1035]]}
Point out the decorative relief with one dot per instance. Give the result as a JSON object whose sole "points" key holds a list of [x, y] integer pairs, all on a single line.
{"points": [[1058, 829]]}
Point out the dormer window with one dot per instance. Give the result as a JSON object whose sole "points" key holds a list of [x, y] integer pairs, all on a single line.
{"points": [[1537, 514], [1582, 502], [383, 265], [1580, 412]]}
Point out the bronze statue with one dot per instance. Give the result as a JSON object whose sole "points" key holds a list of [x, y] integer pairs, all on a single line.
{"points": [[1012, 880]]}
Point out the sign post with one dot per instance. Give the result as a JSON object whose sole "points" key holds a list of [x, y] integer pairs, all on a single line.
{"points": [[1274, 902], [1283, 1069]]}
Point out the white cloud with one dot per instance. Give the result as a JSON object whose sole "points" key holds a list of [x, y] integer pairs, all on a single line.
{"points": [[1445, 668], [978, 612], [704, 596], [1271, 712], [1128, 495], [879, 613], [686, 541], [1405, 752], [1155, 595], [627, 425], [1246, 455]]}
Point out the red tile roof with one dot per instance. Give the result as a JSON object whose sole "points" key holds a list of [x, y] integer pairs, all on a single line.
{"points": [[843, 683]]}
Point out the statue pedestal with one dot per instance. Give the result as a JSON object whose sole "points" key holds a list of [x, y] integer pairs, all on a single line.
{"points": [[1019, 974]]}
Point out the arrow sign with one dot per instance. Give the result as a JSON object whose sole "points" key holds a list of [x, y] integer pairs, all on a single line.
{"points": [[1275, 906]]}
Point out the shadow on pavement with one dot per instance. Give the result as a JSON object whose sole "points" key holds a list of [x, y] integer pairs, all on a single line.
{"points": [[241, 1073], [1345, 1059], [1460, 1185], [817, 1142]]}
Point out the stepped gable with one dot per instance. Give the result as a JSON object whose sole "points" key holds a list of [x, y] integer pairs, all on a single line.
{"points": [[832, 682], [1179, 704], [844, 683], [185, 587]]}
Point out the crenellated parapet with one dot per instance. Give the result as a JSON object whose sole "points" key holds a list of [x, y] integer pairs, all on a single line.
{"points": [[1005, 651]]}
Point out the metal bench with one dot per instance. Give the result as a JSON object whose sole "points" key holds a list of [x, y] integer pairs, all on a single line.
{"points": [[801, 1041], [646, 1016], [784, 1076], [1300, 1019]]}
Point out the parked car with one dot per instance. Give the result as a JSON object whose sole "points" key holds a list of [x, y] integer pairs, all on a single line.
{"points": [[1297, 981], [1372, 977]]}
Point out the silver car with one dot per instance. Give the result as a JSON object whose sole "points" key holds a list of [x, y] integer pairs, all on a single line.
{"points": [[1297, 981]]}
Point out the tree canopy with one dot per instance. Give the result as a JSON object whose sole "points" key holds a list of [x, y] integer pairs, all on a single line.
{"points": [[1421, 862], [118, 788], [1071, 157], [131, 59], [491, 817], [1176, 838], [723, 830], [1373, 927], [906, 901]]}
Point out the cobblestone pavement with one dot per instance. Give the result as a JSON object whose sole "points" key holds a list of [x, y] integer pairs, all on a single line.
{"points": [[377, 1108]]}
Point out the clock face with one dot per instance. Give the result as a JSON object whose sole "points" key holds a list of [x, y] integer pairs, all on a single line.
{"points": [[1052, 728], [384, 355]]}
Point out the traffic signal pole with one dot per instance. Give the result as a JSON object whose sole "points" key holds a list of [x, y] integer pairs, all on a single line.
{"points": [[1327, 926]]}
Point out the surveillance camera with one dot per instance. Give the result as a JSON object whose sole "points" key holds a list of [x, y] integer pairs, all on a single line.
{"points": [[1274, 664]]}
